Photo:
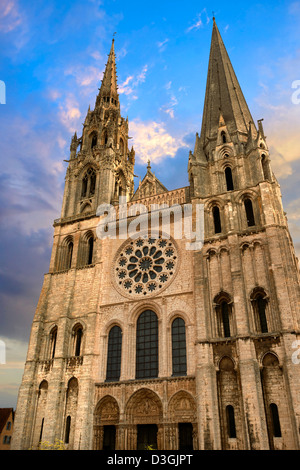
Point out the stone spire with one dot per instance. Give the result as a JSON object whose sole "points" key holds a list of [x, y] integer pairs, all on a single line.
{"points": [[109, 89], [224, 98]]}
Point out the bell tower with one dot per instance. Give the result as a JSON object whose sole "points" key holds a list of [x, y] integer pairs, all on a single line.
{"points": [[100, 166]]}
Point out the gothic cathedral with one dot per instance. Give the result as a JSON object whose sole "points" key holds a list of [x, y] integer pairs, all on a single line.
{"points": [[140, 342]]}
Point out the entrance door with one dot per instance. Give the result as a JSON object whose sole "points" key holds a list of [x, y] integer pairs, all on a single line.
{"points": [[185, 431], [109, 437], [146, 436]]}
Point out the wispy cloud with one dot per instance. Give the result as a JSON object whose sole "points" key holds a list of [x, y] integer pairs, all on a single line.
{"points": [[162, 45], [200, 20], [169, 107], [10, 16], [128, 87]]}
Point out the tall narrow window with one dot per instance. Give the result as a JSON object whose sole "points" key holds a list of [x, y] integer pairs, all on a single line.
{"points": [[229, 180], [225, 319], [223, 136], [68, 428], [230, 421], [41, 431], [275, 420], [84, 185], [91, 249], [53, 337], [94, 141], [113, 368], [78, 341], [265, 167], [178, 347], [249, 212], [69, 255], [217, 220], [147, 345], [261, 308]]}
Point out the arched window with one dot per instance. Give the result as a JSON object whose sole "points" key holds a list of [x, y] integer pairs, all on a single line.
{"points": [[275, 420], [259, 304], [68, 428], [224, 311], [249, 212], [217, 219], [78, 333], [178, 347], [229, 180], [147, 345], [86, 249], [88, 183], [113, 368], [225, 319], [65, 254], [230, 421], [223, 136], [53, 337]]}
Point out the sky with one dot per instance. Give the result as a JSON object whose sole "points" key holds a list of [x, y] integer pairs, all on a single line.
{"points": [[52, 57]]}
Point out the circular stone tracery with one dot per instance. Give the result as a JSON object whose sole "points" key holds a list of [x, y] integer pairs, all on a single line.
{"points": [[145, 266]]}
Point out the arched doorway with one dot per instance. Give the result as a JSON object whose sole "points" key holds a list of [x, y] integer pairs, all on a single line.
{"points": [[144, 416], [106, 421], [182, 430]]}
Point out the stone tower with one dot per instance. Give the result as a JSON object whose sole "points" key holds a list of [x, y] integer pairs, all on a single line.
{"points": [[139, 341]]}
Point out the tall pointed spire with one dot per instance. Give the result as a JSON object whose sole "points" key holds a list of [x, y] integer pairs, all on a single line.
{"points": [[109, 87], [224, 96]]}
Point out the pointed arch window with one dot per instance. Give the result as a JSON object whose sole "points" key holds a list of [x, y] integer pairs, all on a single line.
{"points": [[217, 219], [229, 180], [249, 212], [223, 137], [88, 183], [114, 349], [178, 347], [147, 345]]}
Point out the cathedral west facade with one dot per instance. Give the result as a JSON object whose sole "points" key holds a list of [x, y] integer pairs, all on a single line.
{"points": [[140, 342]]}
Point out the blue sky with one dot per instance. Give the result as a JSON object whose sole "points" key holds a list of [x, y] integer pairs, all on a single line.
{"points": [[52, 59]]}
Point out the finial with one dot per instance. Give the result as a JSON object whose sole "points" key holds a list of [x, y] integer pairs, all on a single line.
{"points": [[149, 166]]}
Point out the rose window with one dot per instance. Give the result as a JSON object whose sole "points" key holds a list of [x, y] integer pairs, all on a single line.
{"points": [[145, 266]]}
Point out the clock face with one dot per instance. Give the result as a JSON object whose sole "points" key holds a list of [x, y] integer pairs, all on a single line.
{"points": [[145, 266]]}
